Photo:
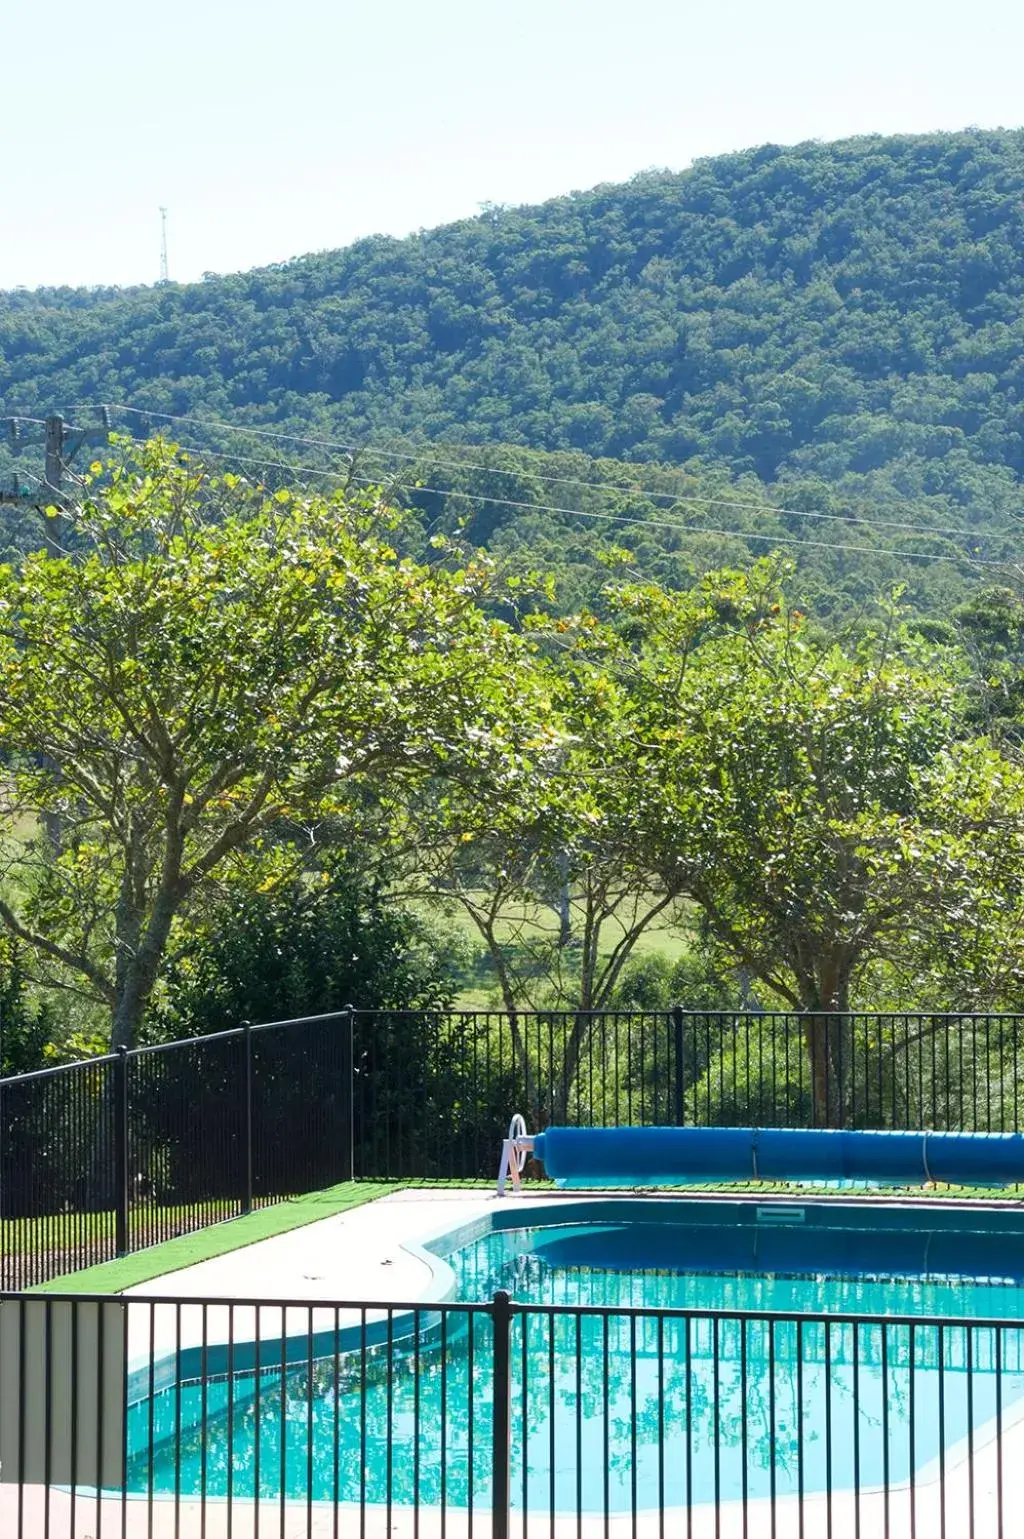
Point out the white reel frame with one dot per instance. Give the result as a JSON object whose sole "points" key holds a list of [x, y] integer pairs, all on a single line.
{"points": [[515, 1151]]}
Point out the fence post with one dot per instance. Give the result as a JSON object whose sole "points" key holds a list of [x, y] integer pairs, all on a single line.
{"points": [[677, 1065], [501, 1317], [247, 1073], [3, 1171], [351, 1014], [120, 1070]]}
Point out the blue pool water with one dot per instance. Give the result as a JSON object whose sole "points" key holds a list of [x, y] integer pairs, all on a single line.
{"points": [[622, 1409]]}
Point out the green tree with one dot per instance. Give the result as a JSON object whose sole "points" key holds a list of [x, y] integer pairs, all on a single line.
{"points": [[27, 1024], [315, 941], [804, 793], [550, 877], [841, 321], [966, 945], [990, 628], [215, 660]]}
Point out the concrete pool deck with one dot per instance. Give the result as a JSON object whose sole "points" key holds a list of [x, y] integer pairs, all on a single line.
{"points": [[358, 1254], [367, 1255]]}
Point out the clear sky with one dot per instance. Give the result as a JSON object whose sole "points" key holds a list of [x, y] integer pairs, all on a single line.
{"points": [[277, 127]]}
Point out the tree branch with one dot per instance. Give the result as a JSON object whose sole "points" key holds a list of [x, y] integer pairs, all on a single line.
{"points": [[77, 963]]}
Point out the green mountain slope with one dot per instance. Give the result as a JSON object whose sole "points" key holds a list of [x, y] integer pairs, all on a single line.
{"points": [[844, 319], [829, 306]]}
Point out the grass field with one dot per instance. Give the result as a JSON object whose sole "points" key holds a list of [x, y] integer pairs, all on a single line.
{"points": [[479, 989]]}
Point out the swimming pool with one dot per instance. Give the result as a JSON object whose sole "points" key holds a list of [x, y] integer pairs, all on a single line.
{"points": [[623, 1405]]}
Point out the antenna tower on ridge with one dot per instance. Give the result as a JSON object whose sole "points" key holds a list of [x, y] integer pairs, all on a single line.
{"points": [[163, 245]]}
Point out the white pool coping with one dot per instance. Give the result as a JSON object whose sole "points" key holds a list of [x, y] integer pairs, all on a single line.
{"points": [[370, 1255]]}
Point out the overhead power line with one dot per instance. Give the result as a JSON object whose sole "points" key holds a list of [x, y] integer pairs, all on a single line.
{"points": [[650, 523], [615, 518], [763, 509]]}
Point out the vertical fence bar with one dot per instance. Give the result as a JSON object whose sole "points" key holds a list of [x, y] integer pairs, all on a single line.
{"points": [[689, 1428], [856, 1431], [579, 1426], [552, 1452], [678, 1107], [120, 1067], [524, 1415], [716, 1422], [999, 1339], [101, 1408], [969, 1369], [606, 1430], [912, 1439], [74, 1393], [885, 1432], [247, 1114], [501, 1481], [828, 1428], [772, 1445], [941, 1357], [800, 1427], [349, 1023], [744, 1469]]}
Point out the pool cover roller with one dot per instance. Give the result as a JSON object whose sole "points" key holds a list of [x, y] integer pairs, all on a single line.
{"points": [[652, 1156]]}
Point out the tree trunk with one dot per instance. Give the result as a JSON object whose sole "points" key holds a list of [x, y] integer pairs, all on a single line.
{"points": [[138, 962], [138, 966], [827, 1039], [531, 1110], [816, 1037], [564, 901], [128, 1013], [582, 1024], [583, 1018]]}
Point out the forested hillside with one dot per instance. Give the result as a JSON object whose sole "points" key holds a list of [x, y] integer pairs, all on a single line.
{"points": [[829, 307], [842, 322]]}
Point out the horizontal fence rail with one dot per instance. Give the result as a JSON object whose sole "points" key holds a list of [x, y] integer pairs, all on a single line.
{"points": [[184, 1417], [103, 1158]]}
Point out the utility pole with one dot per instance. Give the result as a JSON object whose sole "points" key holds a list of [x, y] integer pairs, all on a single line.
{"points": [[163, 246], [55, 524], [61, 446]]}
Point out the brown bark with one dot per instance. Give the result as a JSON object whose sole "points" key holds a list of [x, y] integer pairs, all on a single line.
{"points": [[826, 1028]]}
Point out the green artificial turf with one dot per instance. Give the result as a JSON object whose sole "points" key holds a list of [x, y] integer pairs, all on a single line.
{"points": [[218, 1239]]}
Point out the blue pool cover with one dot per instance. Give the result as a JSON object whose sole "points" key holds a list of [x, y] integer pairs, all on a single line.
{"points": [[674, 1156]]}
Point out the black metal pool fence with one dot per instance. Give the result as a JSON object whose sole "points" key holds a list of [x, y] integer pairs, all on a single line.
{"points": [[148, 1418], [102, 1158]]}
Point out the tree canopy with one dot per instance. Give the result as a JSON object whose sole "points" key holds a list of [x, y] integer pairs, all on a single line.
{"points": [[825, 805], [213, 665], [235, 718]]}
